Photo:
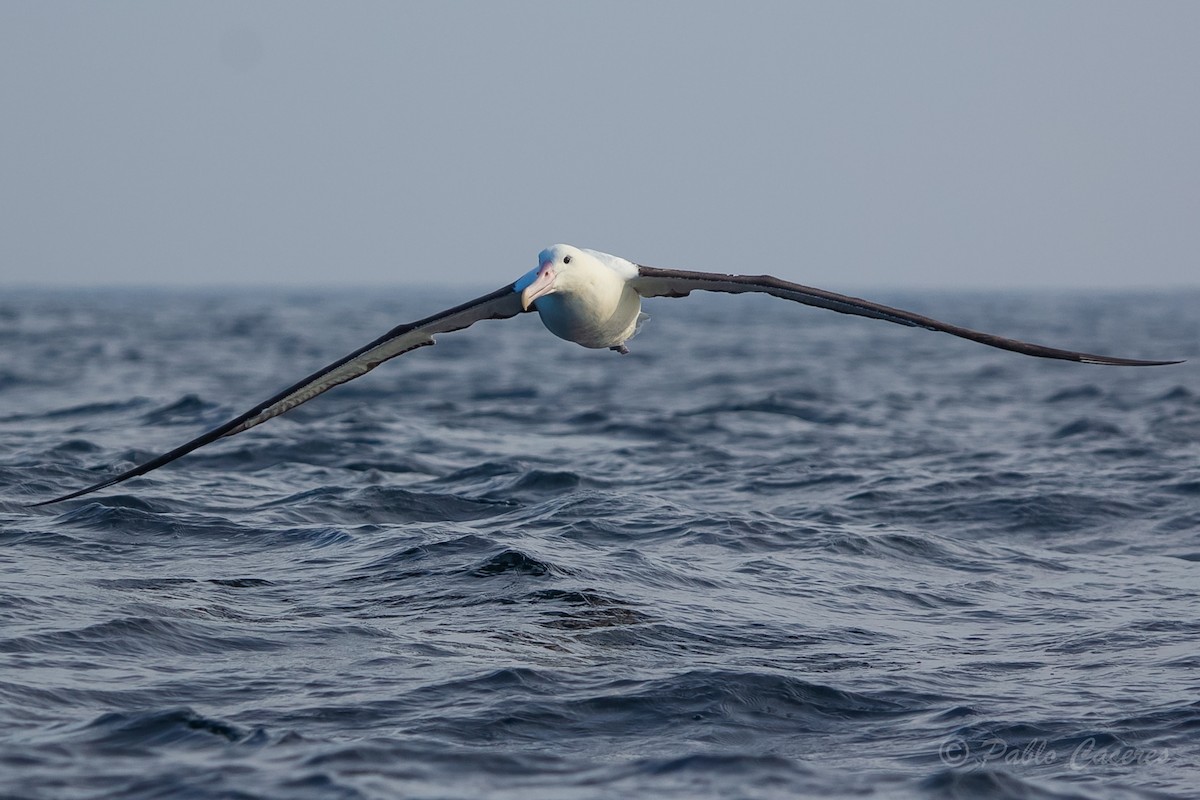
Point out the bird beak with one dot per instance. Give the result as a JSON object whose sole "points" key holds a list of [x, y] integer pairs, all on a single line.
{"points": [[542, 284]]}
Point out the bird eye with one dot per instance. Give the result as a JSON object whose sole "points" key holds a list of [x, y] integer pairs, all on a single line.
{"points": [[566, 259]]}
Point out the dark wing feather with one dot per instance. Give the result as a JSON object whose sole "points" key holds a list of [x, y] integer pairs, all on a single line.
{"points": [[653, 282], [500, 304]]}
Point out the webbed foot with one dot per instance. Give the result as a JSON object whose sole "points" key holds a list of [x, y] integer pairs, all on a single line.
{"points": [[620, 348]]}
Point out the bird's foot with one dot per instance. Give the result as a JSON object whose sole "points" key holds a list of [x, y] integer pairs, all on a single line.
{"points": [[620, 348]]}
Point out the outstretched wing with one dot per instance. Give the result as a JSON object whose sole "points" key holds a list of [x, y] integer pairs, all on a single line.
{"points": [[653, 282], [500, 304]]}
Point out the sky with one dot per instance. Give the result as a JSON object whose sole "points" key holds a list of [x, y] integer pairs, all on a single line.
{"points": [[838, 144]]}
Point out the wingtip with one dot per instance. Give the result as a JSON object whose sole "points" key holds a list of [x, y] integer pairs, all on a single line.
{"points": [[41, 503], [1129, 362], [52, 500], [72, 495]]}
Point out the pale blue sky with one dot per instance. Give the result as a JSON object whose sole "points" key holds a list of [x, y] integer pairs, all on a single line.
{"points": [[844, 145]]}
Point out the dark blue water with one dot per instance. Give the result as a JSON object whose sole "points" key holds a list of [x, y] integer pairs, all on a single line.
{"points": [[774, 552]]}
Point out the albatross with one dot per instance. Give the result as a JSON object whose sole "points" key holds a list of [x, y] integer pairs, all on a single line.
{"points": [[584, 296]]}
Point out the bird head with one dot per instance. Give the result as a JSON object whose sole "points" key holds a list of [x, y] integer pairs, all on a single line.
{"points": [[557, 269]]}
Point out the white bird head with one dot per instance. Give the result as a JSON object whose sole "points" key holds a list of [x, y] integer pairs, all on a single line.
{"points": [[559, 268]]}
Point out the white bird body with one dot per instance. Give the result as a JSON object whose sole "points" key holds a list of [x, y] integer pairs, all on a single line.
{"points": [[584, 296]]}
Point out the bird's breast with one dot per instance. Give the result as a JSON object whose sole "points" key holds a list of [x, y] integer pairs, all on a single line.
{"points": [[592, 320]]}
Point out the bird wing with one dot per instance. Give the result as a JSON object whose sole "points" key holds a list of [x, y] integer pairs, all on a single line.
{"points": [[654, 282], [500, 304]]}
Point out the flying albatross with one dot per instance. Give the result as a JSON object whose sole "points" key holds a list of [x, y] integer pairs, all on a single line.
{"points": [[593, 299]]}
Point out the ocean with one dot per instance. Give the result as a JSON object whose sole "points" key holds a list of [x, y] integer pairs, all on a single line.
{"points": [[773, 552]]}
